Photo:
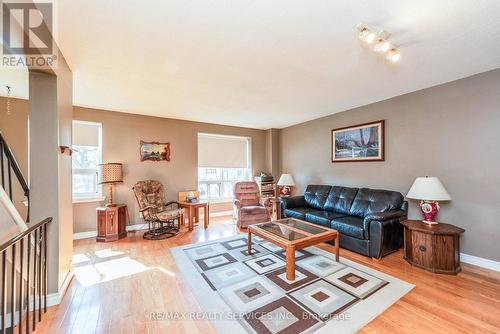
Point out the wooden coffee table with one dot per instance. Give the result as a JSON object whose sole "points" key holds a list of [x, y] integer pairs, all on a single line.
{"points": [[292, 234]]}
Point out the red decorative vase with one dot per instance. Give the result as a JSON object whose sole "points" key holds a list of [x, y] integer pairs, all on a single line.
{"points": [[285, 191], [430, 210]]}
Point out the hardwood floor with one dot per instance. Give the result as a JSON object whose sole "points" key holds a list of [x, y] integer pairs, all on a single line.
{"points": [[118, 285]]}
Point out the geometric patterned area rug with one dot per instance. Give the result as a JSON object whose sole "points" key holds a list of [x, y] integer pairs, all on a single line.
{"points": [[243, 293]]}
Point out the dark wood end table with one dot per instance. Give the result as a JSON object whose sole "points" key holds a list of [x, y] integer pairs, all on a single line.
{"points": [[111, 221], [432, 247]]}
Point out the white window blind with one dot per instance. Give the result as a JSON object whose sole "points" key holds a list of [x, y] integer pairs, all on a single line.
{"points": [[217, 151], [85, 134]]}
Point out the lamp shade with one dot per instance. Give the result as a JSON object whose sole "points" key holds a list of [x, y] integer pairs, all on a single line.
{"points": [[428, 189], [111, 173], [286, 180]]}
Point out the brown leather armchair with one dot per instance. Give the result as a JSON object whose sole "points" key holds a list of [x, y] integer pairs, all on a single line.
{"points": [[248, 205], [160, 215]]}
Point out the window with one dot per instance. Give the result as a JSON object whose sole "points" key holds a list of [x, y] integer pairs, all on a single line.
{"points": [[87, 155], [218, 183], [222, 161]]}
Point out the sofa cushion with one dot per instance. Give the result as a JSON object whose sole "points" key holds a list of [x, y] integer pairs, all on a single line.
{"points": [[323, 218], [298, 213], [351, 226], [315, 195], [340, 199], [253, 210], [368, 201]]}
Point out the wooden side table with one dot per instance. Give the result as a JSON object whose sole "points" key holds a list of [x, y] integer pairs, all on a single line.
{"points": [[193, 210], [111, 223], [433, 247], [276, 208]]}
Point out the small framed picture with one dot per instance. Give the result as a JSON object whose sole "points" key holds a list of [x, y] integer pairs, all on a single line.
{"points": [[155, 151], [362, 142]]}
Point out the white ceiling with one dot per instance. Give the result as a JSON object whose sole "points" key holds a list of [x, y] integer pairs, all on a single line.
{"points": [[266, 63]]}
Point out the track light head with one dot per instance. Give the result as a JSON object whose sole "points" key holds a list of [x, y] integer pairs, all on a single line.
{"points": [[393, 55], [382, 46], [364, 34]]}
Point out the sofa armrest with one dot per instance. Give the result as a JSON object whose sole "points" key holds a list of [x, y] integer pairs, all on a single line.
{"points": [[173, 203], [386, 236], [385, 231], [293, 202], [383, 216], [237, 203], [146, 208]]}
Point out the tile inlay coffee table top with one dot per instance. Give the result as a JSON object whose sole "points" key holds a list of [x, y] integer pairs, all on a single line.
{"points": [[292, 234]]}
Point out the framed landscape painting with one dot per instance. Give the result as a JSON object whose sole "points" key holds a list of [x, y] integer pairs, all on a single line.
{"points": [[155, 151], [362, 142]]}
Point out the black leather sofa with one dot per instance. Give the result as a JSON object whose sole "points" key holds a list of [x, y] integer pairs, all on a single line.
{"points": [[368, 219]]}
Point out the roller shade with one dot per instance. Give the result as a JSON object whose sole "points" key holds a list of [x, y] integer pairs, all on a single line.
{"points": [[85, 134], [222, 152]]}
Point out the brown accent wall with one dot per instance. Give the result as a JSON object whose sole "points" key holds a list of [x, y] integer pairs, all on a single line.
{"points": [[121, 136], [450, 131]]}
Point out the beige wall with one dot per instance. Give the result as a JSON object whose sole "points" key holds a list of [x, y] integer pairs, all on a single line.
{"points": [[450, 131], [273, 153], [121, 136], [122, 133]]}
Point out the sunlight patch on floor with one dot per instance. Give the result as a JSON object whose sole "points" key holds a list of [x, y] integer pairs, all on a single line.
{"points": [[106, 271], [80, 258], [108, 252]]}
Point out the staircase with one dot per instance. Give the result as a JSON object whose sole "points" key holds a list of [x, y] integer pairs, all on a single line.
{"points": [[23, 253]]}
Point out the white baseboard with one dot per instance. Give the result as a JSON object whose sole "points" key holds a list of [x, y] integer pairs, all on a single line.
{"points": [[138, 227], [221, 213], [56, 298], [480, 262], [84, 235], [93, 234]]}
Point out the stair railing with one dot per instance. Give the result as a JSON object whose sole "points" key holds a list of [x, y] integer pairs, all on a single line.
{"points": [[9, 165], [24, 284]]}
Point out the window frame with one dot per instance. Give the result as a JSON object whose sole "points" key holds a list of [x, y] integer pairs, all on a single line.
{"points": [[89, 197], [220, 183]]}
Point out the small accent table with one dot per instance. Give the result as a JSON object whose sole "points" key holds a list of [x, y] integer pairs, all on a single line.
{"points": [[276, 207], [111, 221], [432, 247], [193, 210]]}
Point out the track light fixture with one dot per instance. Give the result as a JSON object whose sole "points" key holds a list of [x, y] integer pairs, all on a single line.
{"points": [[381, 39]]}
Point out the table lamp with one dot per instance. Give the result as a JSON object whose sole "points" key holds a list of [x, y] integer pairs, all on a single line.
{"points": [[285, 182], [111, 173], [429, 190]]}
